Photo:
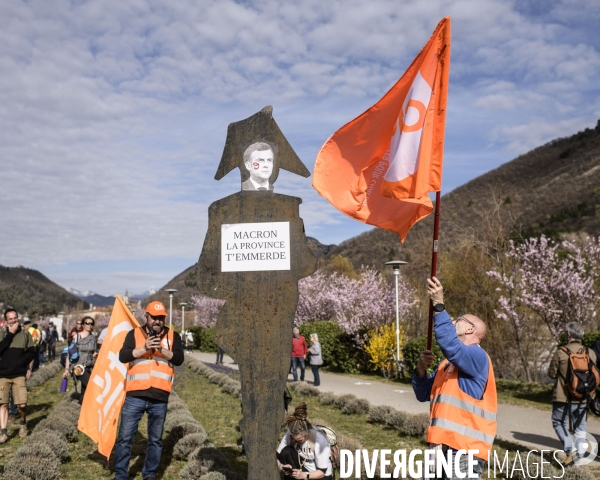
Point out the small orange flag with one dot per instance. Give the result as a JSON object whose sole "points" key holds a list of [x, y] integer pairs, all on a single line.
{"points": [[105, 393], [380, 167]]}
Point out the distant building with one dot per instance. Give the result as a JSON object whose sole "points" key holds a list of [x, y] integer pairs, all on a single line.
{"points": [[131, 306]]}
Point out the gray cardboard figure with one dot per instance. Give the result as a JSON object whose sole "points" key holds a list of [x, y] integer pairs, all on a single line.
{"points": [[254, 253]]}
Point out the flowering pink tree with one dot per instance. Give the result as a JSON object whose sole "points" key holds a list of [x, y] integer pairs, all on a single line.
{"points": [[102, 322], [208, 310], [354, 304], [543, 284]]}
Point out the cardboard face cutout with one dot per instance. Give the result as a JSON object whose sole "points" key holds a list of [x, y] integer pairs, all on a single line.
{"points": [[259, 159]]}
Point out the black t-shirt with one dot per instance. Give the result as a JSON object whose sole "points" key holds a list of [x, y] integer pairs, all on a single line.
{"points": [[126, 356]]}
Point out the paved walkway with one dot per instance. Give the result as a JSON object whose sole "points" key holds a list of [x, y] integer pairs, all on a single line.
{"points": [[527, 426]]}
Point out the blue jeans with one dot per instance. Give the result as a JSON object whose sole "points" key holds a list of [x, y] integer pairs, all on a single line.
{"points": [[560, 422], [295, 363], [133, 410], [315, 370]]}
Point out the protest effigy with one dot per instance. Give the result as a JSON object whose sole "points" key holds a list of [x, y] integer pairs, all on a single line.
{"points": [[254, 253]]}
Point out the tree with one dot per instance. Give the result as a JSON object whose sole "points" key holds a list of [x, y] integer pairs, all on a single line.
{"points": [[353, 303], [545, 286], [208, 310]]}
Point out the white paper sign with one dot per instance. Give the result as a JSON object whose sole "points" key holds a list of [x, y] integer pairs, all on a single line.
{"points": [[255, 247]]}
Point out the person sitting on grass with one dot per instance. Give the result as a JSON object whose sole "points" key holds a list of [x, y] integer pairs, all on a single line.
{"points": [[304, 452]]}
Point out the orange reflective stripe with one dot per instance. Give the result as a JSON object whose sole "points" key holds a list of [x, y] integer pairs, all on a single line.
{"points": [[152, 369], [459, 420]]}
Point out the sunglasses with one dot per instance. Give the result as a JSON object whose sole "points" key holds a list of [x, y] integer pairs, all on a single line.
{"points": [[88, 323], [464, 320]]}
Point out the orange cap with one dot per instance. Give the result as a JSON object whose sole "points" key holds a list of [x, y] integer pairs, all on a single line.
{"points": [[156, 309]]}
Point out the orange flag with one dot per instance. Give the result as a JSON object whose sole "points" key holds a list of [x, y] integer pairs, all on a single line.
{"points": [[105, 393], [380, 167]]}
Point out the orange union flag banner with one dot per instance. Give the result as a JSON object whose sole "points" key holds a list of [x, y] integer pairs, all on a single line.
{"points": [[380, 167], [105, 393]]}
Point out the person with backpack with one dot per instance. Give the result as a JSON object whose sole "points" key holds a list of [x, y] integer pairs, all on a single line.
{"points": [[574, 368], [36, 336], [304, 452], [16, 355]]}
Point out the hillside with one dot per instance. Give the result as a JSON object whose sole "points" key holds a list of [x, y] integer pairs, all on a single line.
{"points": [[553, 189], [29, 291], [183, 294]]}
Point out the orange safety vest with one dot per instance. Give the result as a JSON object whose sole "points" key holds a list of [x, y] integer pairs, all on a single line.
{"points": [[458, 420], [152, 369]]}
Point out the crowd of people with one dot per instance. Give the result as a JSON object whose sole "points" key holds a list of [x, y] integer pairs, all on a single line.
{"points": [[461, 390]]}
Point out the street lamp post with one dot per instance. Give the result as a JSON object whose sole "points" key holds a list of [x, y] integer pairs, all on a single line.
{"points": [[171, 292], [396, 266], [182, 305]]}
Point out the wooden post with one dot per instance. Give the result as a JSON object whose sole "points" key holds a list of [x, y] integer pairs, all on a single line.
{"points": [[434, 252]]}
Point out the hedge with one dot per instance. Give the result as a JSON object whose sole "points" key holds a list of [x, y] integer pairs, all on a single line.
{"points": [[227, 384], [413, 425], [413, 349], [190, 442], [44, 374], [588, 340], [204, 338], [344, 442], [40, 455]]}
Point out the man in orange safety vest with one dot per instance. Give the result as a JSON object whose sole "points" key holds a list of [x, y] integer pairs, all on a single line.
{"points": [[461, 391], [152, 351]]}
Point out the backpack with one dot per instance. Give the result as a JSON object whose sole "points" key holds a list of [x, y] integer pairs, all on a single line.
{"points": [[582, 375], [331, 437], [35, 335], [72, 351], [26, 334]]}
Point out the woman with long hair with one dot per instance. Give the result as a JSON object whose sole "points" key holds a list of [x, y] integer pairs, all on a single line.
{"points": [[304, 452], [86, 346]]}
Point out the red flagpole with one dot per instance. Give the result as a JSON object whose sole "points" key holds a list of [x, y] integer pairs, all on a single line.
{"points": [[434, 252]]}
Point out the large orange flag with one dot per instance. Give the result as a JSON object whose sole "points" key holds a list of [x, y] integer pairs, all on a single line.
{"points": [[380, 167], [105, 393]]}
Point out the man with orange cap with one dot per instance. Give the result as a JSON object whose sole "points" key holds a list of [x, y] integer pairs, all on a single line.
{"points": [[152, 351], [461, 391]]}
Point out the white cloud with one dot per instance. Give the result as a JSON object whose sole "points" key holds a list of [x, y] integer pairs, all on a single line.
{"points": [[113, 114]]}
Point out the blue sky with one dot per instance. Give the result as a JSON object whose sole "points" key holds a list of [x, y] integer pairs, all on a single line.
{"points": [[113, 115]]}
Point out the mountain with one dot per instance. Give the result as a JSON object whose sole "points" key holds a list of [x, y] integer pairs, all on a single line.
{"points": [[142, 296], [98, 300], [93, 298], [553, 189], [29, 291], [183, 294]]}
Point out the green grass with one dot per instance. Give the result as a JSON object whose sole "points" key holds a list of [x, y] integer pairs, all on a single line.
{"points": [[218, 412], [40, 402], [525, 394], [85, 462]]}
